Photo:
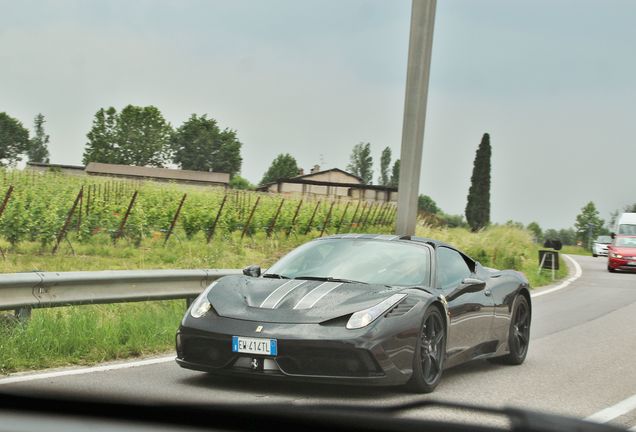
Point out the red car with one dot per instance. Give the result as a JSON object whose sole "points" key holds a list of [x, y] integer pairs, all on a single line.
{"points": [[622, 254]]}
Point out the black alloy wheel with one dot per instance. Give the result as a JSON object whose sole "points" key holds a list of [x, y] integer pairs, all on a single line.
{"points": [[519, 333], [430, 352]]}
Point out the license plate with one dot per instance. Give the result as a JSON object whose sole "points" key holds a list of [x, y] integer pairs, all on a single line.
{"points": [[254, 345]]}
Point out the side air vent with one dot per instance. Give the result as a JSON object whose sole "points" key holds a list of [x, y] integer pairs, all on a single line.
{"points": [[401, 308]]}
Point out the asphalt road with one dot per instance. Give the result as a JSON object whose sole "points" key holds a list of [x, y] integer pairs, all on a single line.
{"points": [[581, 362]]}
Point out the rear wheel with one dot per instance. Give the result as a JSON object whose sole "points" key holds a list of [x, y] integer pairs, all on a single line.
{"points": [[430, 352], [519, 333]]}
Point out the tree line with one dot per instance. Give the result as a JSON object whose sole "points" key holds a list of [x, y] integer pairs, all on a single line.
{"points": [[16, 142]]}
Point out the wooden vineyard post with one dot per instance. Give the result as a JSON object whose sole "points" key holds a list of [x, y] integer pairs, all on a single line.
{"points": [[79, 213], [174, 219], [249, 219], [324, 225], [216, 220], [370, 214], [353, 218], [344, 213], [67, 222], [291, 225], [5, 201], [272, 224], [361, 216], [122, 225], [311, 220], [380, 217]]}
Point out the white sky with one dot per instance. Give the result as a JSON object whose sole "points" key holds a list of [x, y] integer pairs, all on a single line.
{"points": [[553, 82]]}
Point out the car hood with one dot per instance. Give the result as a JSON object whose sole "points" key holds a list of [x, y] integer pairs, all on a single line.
{"points": [[625, 251], [292, 300]]}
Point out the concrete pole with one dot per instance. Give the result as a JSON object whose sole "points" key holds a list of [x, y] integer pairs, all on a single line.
{"points": [[417, 76]]}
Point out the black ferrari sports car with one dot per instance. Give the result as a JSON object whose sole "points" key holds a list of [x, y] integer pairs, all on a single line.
{"points": [[359, 308]]}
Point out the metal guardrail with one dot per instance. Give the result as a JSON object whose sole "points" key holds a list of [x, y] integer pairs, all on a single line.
{"points": [[49, 289]]}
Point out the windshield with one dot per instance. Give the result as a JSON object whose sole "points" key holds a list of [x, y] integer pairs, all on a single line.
{"points": [[625, 241], [369, 261], [604, 239], [627, 229]]}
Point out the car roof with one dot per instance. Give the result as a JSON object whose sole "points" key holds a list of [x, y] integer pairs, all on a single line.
{"points": [[390, 237]]}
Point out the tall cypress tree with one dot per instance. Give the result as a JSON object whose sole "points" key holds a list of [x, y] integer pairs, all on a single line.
{"points": [[478, 205]]}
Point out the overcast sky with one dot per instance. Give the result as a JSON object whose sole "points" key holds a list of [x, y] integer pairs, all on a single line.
{"points": [[553, 82]]}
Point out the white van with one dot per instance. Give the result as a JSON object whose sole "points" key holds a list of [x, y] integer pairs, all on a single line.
{"points": [[626, 224]]}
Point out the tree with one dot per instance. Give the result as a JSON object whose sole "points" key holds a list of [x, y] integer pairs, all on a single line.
{"points": [[14, 139], [395, 174], [101, 145], [588, 224], [478, 205], [567, 236], [142, 136], [238, 182], [385, 162], [361, 162], [37, 150], [426, 204], [284, 166], [199, 144], [630, 208], [536, 231], [136, 136]]}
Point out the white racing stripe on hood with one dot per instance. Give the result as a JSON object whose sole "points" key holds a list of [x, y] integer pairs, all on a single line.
{"points": [[314, 296], [276, 296]]}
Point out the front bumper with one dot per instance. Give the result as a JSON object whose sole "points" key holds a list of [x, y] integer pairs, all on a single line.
{"points": [[621, 264], [381, 354]]}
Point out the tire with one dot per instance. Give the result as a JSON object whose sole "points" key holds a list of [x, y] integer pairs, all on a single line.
{"points": [[611, 270], [430, 352], [518, 334], [594, 255]]}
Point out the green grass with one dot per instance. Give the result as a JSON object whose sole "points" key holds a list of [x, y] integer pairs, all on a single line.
{"points": [[576, 250], [96, 333]]}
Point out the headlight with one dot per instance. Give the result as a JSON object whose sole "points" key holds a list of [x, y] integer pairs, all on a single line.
{"points": [[615, 255], [201, 305], [365, 317]]}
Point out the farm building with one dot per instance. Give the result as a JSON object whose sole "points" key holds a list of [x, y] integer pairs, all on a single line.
{"points": [[333, 182]]}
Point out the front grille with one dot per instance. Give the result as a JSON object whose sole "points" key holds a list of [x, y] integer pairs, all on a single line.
{"points": [[302, 359], [213, 351]]}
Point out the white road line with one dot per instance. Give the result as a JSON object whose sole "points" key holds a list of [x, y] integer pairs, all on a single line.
{"points": [[577, 274], [610, 413], [81, 371]]}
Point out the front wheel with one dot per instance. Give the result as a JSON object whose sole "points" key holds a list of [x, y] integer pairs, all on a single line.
{"points": [[430, 352], [611, 270]]}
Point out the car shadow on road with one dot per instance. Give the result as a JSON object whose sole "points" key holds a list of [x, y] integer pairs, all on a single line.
{"points": [[255, 385]]}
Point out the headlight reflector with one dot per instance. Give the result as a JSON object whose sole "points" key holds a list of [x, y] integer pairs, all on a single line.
{"points": [[615, 255], [202, 305], [365, 317]]}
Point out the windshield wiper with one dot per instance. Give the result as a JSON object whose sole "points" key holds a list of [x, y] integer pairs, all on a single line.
{"points": [[330, 279], [274, 276]]}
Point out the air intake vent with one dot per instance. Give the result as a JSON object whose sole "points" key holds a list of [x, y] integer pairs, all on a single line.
{"points": [[401, 308]]}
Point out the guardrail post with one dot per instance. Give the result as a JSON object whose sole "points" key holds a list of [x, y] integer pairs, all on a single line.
{"points": [[23, 314]]}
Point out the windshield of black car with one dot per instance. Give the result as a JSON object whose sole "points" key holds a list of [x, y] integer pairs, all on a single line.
{"points": [[626, 242], [364, 260]]}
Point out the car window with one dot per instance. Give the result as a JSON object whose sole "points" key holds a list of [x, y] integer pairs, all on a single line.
{"points": [[627, 229], [451, 268], [626, 241]]}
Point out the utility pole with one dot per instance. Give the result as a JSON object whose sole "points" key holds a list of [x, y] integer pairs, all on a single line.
{"points": [[417, 77]]}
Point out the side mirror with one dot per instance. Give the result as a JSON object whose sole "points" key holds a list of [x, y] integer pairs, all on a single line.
{"points": [[253, 271], [613, 235], [470, 284]]}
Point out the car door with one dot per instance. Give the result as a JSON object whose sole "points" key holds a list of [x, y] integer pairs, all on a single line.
{"points": [[470, 305]]}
